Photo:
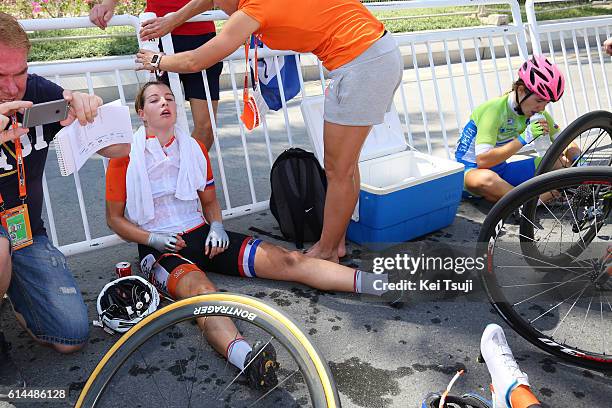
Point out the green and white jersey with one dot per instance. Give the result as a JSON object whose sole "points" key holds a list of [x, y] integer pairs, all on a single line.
{"points": [[493, 124]]}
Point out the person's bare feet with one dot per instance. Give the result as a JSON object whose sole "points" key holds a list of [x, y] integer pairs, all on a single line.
{"points": [[316, 252]]}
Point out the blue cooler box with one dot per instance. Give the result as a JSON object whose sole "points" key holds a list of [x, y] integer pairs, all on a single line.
{"points": [[404, 194]]}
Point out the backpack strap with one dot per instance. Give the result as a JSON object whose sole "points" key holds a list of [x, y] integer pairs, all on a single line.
{"points": [[309, 202], [298, 215], [268, 234]]}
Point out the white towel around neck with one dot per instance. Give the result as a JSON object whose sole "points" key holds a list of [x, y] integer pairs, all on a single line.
{"points": [[191, 177]]}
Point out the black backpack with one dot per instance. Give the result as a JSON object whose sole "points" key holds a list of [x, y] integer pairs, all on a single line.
{"points": [[298, 186]]}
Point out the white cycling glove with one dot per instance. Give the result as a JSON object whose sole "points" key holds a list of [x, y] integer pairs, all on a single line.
{"points": [[163, 242], [217, 237], [533, 131]]}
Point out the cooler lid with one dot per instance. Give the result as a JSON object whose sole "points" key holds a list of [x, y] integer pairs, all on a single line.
{"points": [[384, 139]]}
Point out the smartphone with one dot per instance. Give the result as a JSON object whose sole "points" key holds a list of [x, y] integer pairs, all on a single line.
{"points": [[47, 112]]}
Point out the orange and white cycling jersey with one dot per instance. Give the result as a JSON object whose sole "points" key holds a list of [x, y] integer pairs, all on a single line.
{"points": [[162, 164]]}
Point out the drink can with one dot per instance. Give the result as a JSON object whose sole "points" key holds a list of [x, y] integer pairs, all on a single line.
{"points": [[123, 269]]}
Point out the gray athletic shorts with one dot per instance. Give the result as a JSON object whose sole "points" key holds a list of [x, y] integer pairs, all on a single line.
{"points": [[361, 91]]}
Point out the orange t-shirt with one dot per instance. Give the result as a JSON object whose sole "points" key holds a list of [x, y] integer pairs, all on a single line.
{"points": [[336, 31], [117, 171]]}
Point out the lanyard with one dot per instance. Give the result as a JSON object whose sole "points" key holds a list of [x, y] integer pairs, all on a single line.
{"points": [[20, 168], [245, 94]]}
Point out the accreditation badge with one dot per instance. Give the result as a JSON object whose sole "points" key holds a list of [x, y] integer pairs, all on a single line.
{"points": [[16, 221]]}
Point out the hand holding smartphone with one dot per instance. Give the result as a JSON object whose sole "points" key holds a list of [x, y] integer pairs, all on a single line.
{"points": [[44, 113]]}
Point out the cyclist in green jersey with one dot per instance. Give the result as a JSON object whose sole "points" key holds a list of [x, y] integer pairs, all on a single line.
{"points": [[500, 127]]}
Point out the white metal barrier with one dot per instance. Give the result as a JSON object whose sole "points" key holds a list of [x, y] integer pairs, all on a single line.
{"points": [[577, 47], [447, 73]]}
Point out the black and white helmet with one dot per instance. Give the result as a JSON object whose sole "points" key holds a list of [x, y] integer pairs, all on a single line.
{"points": [[124, 302]]}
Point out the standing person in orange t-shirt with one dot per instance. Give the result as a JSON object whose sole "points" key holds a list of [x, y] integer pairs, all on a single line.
{"points": [[365, 69], [185, 36]]}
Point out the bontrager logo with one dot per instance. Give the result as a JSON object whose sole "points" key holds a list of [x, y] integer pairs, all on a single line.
{"points": [[224, 310]]}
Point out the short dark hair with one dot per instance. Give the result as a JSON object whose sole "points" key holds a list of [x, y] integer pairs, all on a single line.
{"points": [[517, 83]]}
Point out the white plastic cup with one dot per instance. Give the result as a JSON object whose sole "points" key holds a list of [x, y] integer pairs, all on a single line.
{"points": [[542, 143]]}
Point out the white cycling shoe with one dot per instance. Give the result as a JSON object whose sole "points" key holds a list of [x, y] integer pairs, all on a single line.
{"points": [[505, 372]]}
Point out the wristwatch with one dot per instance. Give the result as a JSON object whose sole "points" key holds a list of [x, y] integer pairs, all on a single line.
{"points": [[155, 60]]}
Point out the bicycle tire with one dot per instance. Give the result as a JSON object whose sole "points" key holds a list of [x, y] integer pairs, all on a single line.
{"points": [[490, 233], [593, 120], [315, 370]]}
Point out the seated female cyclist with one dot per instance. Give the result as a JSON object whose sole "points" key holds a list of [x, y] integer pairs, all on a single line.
{"points": [[153, 198], [500, 127]]}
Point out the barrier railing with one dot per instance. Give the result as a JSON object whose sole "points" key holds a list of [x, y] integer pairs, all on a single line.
{"points": [[447, 73], [569, 44]]}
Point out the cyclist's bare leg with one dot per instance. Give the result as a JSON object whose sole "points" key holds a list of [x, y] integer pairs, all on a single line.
{"points": [[273, 262], [487, 183], [219, 331]]}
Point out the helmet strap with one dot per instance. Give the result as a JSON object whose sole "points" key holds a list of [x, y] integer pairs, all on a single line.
{"points": [[518, 108]]}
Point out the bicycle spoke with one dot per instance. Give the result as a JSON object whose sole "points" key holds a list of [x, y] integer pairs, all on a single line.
{"points": [[537, 284], [569, 311], [149, 370], [548, 290], [536, 259], [586, 315], [195, 367], [275, 387], [562, 302], [603, 337]]}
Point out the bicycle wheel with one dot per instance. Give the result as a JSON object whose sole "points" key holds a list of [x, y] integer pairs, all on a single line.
{"points": [[564, 309], [167, 357], [592, 133]]}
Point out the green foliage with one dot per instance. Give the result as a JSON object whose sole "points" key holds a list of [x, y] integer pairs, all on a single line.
{"points": [[23, 9]]}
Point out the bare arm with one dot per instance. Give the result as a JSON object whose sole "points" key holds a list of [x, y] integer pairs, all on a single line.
{"points": [[129, 231], [116, 150], [115, 219], [161, 26], [210, 205], [498, 155], [235, 32]]}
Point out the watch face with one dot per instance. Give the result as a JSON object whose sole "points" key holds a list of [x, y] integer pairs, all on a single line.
{"points": [[154, 59]]}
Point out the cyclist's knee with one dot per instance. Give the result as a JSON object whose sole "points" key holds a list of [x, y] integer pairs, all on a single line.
{"points": [[202, 289], [290, 259], [201, 285], [485, 182]]}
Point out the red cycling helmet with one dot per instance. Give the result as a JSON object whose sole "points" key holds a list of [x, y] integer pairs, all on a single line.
{"points": [[542, 78]]}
